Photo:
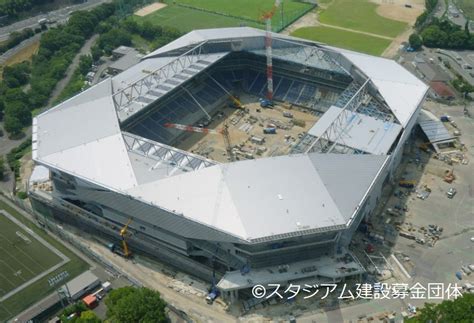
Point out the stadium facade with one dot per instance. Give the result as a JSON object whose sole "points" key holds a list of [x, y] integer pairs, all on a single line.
{"points": [[277, 219]]}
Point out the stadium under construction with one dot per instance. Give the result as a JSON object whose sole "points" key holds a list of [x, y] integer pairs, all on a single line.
{"points": [[211, 176]]}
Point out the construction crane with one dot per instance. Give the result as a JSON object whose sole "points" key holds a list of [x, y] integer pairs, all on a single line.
{"points": [[123, 233], [224, 132], [124, 251], [235, 100], [267, 16]]}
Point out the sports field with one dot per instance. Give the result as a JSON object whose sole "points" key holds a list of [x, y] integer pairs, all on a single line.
{"points": [[187, 15], [186, 19], [344, 39], [467, 7], [32, 264], [360, 15], [23, 256]]}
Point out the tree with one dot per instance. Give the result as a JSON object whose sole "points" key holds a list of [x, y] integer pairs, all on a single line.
{"points": [[433, 36], [16, 75], [458, 310], [2, 168], [88, 317], [12, 125], [415, 41], [129, 304]]}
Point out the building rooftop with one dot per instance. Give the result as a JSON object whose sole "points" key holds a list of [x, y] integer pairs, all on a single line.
{"points": [[301, 193]]}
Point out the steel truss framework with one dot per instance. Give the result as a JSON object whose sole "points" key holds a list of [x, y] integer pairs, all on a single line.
{"points": [[332, 136], [163, 153], [307, 52], [142, 86]]}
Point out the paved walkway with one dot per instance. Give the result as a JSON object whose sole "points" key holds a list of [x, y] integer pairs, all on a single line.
{"points": [[85, 50], [356, 31]]}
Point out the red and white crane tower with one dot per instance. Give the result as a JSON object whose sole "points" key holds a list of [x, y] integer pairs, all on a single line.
{"points": [[267, 16]]}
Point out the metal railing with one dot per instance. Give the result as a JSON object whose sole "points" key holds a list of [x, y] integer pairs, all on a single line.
{"points": [[161, 152], [125, 96]]}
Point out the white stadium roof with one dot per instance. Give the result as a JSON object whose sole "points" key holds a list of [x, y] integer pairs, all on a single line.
{"points": [[82, 137]]}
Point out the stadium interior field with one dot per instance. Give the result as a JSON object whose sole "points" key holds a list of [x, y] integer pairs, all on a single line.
{"points": [[207, 102]]}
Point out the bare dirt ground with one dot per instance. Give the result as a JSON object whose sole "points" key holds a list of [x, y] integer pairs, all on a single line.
{"points": [[392, 9], [179, 291], [392, 50], [243, 125], [26, 169], [396, 9], [149, 9]]}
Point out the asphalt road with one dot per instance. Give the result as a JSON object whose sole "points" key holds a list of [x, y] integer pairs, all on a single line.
{"points": [[59, 16], [457, 60]]}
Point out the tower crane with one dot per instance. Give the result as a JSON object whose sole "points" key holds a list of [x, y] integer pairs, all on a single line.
{"points": [[267, 16], [224, 132]]}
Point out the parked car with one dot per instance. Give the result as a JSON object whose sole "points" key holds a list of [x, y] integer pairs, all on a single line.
{"points": [[451, 192]]}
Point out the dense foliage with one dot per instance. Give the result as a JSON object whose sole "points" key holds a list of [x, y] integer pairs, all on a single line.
{"points": [[58, 47], [461, 85], [14, 156], [115, 33], [444, 34], [82, 314], [459, 310], [14, 7], [15, 38], [415, 41], [129, 304], [423, 18], [76, 84], [2, 168]]}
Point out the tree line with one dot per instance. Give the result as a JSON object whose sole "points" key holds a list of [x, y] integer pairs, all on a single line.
{"points": [[58, 46], [440, 32], [14, 7], [126, 304], [28, 86]]}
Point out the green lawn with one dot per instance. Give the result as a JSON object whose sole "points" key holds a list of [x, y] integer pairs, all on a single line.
{"points": [[467, 6], [250, 9], [41, 288], [186, 19], [224, 13], [344, 39], [360, 15]]}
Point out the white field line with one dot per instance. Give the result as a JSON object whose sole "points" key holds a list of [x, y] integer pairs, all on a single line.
{"points": [[64, 258]]}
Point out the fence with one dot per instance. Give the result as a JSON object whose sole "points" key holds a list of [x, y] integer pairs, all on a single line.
{"points": [[280, 21]]}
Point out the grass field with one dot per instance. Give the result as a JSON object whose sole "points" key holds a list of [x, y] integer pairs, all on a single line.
{"points": [[360, 15], [31, 259], [222, 13], [186, 19], [249, 9], [467, 7], [344, 39], [23, 257]]}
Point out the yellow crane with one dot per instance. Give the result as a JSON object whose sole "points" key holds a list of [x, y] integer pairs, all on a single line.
{"points": [[123, 234]]}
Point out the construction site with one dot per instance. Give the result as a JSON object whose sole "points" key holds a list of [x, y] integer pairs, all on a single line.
{"points": [[246, 129], [236, 155]]}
